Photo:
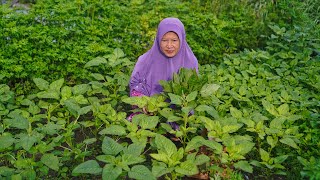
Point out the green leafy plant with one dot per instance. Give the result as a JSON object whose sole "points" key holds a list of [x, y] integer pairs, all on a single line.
{"points": [[310, 167], [118, 159], [173, 161]]}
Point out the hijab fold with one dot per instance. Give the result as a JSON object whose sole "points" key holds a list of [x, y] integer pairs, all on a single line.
{"points": [[154, 65]]}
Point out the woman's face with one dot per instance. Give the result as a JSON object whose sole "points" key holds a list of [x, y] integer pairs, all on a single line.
{"points": [[170, 44]]}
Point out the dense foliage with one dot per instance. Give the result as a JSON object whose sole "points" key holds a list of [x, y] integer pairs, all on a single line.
{"points": [[58, 37], [252, 111]]}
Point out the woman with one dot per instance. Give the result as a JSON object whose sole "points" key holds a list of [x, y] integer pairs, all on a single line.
{"points": [[169, 53]]}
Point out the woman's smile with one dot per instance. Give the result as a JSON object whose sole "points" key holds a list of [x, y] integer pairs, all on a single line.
{"points": [[170, 44]]}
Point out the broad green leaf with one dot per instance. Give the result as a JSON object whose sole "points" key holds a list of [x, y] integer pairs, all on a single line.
{"points": [[187, 110], [110, 146], [107, 109], [283, 109], [56, 85], [6, 97], [242, 90], [27, 173], [166, 86], [192, 96], [4, 88], [85, 110], [73, 107], [6, 171], [34, 109], [26, 102], [165, 145], [17, 176], [80, 99], [49, 95], [51, 161], [303, 161], [191, 156], [147, 133], [211, 125], [80, 89], [96, 62], [258, 117], [195, 143], [51, 128], [290, 142], [279, 172], [176, 87], [174, 118], [41, 83], [277, 123], [260, 126], [187, 168], [277, 29], [87, 124], [280, 159], [111, 172], [201, 159], [97, 88], [140, 172], [88, 167], [130, 159], [90, 141], [244, 147], [235, 112], [245, 75], [285, 95], [27, 141], [17, 121], [209, 109], [243, 165], [272, 141], [294, 130], [107, 158], [66, 92], [166, 127], [114, 130], [256, 163], [176, 157], [159, 169], [252, 69], [137, 118], [131, 127], [217, 147], [175, 99], [6, 141], [161, 157], [231, 128], [293, 118], [209, 89], [166, 112], [136, 100], [248, 122], [118, 53], [134, 149], [269, 107], [97, 76], [264, 155], [149, 122]]}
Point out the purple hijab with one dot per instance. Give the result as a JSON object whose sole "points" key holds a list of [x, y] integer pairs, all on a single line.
{"points": [[154, 65]]}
